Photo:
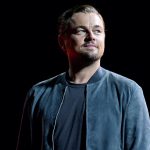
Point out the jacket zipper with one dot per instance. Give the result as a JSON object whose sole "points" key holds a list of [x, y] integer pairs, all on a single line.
{"points": [[53, 132]]}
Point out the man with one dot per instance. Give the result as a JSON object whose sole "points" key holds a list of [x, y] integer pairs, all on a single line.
{"points": [[88, 107]]}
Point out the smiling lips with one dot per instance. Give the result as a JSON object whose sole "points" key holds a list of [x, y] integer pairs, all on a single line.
{"points": [[89, 45]]}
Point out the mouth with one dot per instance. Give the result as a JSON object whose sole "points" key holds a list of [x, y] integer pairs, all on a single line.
{"points": [[89, 45]]}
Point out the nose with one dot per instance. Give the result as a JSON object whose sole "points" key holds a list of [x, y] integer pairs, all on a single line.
{"points": [[90, 36]]}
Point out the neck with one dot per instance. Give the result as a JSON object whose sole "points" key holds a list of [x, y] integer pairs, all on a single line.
{"points": [[80, 75]]}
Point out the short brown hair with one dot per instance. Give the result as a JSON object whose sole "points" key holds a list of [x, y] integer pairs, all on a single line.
{"points": [[64, 19]]}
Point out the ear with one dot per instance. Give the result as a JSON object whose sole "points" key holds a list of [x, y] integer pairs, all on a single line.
{"points": [[61, 42]]}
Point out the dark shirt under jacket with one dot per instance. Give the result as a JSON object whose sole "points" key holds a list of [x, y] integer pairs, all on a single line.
{"points": [[70, 130]]}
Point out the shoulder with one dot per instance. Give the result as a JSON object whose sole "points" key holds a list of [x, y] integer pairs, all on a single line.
{"points": [[41, 86], [127, 90], [118, 79], [53, 80]]}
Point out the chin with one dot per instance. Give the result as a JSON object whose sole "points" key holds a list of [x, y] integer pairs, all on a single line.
{"points": [[90, 58]]}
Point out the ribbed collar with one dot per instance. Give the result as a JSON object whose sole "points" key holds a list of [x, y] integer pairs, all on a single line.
{"points": [[96, 76]]}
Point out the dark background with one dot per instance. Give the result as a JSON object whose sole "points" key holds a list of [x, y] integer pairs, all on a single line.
{"points": [[31, 52]]}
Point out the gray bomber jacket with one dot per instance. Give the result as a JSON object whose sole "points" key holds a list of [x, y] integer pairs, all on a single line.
{"points": [[117, 117]]}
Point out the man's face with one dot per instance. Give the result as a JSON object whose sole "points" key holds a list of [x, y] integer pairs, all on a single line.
{"points": [[86, 37]]}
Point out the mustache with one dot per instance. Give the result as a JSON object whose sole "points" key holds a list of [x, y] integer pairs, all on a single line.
{"points": [[87, 44]]}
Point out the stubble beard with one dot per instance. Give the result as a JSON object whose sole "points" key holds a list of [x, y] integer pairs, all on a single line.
{"points": [[88, 58]]}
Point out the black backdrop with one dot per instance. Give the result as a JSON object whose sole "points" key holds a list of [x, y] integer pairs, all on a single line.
{"points": [[32, 52]]}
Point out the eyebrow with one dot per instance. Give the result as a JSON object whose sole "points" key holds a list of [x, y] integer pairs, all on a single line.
{"points": [[95, 26]]}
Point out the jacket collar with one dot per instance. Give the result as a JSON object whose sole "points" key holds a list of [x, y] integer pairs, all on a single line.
{"points": [[95, 78]]}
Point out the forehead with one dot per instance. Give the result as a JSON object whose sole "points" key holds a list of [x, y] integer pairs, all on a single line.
{"points": [[86, 19]]}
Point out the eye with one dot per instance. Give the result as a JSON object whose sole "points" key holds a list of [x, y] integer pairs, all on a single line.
{"points": [[97, 31], [80, 32]]}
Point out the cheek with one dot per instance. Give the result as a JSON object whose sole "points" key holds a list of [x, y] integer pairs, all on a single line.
{"points": [[101, 42], [76, 42], [70, 45]]}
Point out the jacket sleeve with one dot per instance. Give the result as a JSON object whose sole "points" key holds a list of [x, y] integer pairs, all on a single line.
{"points": [[137, 122], [24, 136]]}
